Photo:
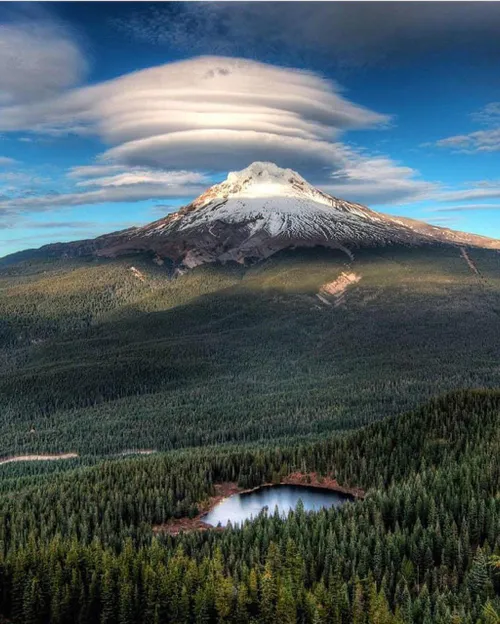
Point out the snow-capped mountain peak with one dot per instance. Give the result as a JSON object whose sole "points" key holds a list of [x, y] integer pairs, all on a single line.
{"points": [[264, 180], [265, 200], [263, 209], [259, 211]]}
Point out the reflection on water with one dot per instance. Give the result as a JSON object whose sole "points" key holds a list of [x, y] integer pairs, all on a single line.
{"points": [[241, 507]]}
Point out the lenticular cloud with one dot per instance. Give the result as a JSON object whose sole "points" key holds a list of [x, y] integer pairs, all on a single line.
{"points": [[211, 113]]}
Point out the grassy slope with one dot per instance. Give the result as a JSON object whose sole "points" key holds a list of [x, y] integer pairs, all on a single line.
{"points": [[97, 360]]}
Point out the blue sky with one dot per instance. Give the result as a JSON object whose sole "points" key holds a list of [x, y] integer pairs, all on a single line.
{"points": [[113, 114]]}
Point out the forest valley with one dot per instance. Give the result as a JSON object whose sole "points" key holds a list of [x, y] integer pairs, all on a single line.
{"points": [[423, 546], [246, 375]]}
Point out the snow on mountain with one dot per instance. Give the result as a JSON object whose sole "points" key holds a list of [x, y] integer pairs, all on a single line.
{"points": [[265, 197], [258, 211], [264, 208]]}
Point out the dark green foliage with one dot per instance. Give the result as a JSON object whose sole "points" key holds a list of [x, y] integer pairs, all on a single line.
{"points": [[97, 360], [78, 545]]}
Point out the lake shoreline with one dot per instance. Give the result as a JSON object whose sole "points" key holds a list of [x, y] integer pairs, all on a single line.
{"points": [[224, 490]]}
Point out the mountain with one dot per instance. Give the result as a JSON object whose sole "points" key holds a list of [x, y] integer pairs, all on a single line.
{"points": [[349, 316], [255, 213]]}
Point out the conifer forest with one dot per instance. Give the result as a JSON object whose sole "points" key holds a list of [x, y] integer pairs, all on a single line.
{"points": [[161, 391]]}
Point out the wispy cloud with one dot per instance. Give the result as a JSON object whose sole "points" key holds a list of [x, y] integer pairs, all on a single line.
{"points": [[479, 141], [342, 34], [64, 232], [444, 221], [466, 207], [362, 178], [128, 193], [480, 191], [162, 209], [140, 176], [23, 191], [30, 224], [487, 140], [376, 180], [489, 115]]}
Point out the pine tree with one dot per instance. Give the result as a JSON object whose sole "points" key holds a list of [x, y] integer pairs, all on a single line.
{"points": [[268, 595], [358, 604], [32, 601], [243, 601], [223, 598], [126, 611], [285, 605], [490, 615], [478, 576]]}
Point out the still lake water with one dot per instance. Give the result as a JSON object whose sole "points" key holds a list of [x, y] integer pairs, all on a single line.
{"points": [[241, 507]]}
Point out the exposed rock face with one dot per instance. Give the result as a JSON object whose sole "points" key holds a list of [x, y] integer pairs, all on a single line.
{"points": [[259, 211]]}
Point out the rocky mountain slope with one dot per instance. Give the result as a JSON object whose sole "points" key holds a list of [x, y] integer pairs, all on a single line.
{"points": [[253, 214]]}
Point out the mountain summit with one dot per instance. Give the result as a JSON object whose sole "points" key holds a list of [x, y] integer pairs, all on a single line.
{"points": [[258, 211]]}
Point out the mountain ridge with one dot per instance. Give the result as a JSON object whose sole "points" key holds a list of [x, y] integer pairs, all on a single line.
{"points": [[253, 214]]}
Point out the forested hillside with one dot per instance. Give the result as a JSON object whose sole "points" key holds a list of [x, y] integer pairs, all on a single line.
{"points": [[309, 362], [103, 356], [423, 546]]}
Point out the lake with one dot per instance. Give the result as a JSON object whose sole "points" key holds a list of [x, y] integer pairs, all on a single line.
{"points": [[241, 507]]}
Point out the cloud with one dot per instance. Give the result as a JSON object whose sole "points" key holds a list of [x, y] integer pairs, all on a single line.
{"points": [[223, 150], [24, 190], [56, 225], [162, 209], [484, 190], [88, 171], [481, 140], [376, 180], [467, 208], [444, 221], [209, 113], [489, 115], [38, 59], [128, 193], [140, 176], [335, 33], [64, 232], [7, 162], [165, 125], [476, 197], [30, 224]]}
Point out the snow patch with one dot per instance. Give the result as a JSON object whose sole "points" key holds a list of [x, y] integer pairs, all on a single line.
{"points": [[279, 216]]}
